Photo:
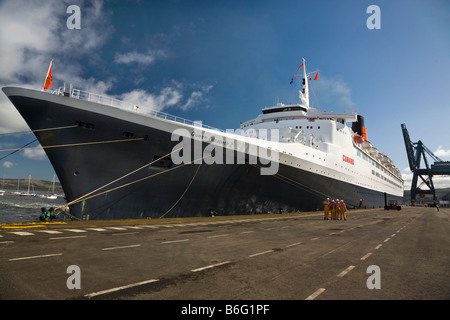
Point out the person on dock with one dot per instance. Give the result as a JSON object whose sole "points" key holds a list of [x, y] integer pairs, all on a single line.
{"points": [[326, 209], [338, 209], [343, 210], [333, 209]]}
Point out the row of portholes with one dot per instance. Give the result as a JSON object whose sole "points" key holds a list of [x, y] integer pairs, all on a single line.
{"points": [[307, 127]]}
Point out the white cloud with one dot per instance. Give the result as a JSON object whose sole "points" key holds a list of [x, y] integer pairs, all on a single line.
{"points": [[139, 58], [170, 96], [35, 154], [33, 32], [9, 164], [438, 181], [167, 97], [196, 97], [442, 153], [334, 94]]}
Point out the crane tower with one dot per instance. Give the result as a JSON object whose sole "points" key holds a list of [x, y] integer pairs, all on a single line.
{"points": [[416, 151]]}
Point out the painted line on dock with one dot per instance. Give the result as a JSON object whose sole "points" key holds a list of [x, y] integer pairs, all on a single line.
{"points": [[35, 257], [174, 241], [98, 293], [344, 272], [366, 256], [259, 253], [69, 237], [76, 230], [315, 294], [122, 247], [124, 233], [211, 266], [22, 233], [293, 244], [49, 231], [218, 236]]}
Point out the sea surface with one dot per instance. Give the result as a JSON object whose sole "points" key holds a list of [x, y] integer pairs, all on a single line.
{"points": [[16, 208]]}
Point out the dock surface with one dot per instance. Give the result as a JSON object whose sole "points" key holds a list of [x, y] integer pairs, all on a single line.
{"points": [[273, 257]]}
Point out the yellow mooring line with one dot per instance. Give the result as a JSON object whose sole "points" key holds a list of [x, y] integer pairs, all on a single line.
{"points": [[24, 225]]}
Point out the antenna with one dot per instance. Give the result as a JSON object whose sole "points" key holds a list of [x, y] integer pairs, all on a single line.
{"points": [[304, 93]]}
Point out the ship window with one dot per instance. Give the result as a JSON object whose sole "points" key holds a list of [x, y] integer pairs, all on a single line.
{"points": [[284, 109], [162, 162], [82, 124]]}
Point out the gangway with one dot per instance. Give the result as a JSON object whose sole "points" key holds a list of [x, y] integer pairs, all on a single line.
{"points": [[416, 151]]}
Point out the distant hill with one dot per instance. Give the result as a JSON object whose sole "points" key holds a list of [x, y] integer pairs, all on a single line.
{"points": [[38, 185], [441, 194]]}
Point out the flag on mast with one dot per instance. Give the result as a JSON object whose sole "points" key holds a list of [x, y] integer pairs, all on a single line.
{"points": [[295, 76], [48, 79]]}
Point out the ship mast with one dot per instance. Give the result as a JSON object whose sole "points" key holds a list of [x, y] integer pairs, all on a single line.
{"points": [[304, 93]]}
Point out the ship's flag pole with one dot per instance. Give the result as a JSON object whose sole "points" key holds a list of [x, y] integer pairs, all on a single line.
{"points": [[48, 79]]}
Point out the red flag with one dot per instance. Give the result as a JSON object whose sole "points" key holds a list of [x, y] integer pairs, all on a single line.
{"points": [[317, 76], [295, 76], [48, 79]]}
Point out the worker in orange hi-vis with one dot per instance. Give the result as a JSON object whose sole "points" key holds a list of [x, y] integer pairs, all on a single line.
{"points": [[326, 209], [343, 210], [338, 210], [333, 209]]}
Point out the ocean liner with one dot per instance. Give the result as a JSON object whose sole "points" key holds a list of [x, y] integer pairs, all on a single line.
{"points": [[114, 160]]}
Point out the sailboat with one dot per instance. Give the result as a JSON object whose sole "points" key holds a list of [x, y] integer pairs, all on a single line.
{"points": [[28, 192], [53, 195], [18, 188], [2, 192]]}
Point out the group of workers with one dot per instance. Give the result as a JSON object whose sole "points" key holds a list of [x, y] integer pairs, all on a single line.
{"points": [[337, 208]]}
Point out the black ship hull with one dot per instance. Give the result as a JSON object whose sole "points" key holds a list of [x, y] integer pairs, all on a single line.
{"points": [[162, 189]]}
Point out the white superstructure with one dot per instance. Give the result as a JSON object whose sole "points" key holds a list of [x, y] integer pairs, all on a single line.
{"points": [[321, 142]]}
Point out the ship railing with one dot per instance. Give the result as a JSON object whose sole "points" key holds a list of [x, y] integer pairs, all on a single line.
{"points": [[109, 101]]}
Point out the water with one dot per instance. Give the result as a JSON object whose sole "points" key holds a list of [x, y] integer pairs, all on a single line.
{"points": [[15, 208]]}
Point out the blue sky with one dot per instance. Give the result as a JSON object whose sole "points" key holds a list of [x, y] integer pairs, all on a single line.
{"points": [[222, 61]]}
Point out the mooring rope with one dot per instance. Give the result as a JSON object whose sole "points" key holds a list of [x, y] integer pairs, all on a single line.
{"points": [[38, 130], [182, 195], [73, 144], [118, 179], [9, 154], [83, 198]]}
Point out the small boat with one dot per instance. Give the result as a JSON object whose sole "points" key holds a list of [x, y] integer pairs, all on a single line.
{"points": [[51, 196], [28, 194]]}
